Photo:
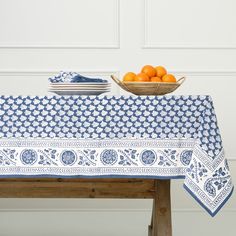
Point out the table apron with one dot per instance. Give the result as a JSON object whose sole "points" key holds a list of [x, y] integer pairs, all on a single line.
{"points": [[76, 188]]}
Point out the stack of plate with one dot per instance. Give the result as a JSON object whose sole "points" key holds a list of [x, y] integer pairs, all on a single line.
{"points": [[88, 88]]}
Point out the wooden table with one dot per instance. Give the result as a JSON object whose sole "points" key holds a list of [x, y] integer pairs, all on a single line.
{"points": [[158, 190]]}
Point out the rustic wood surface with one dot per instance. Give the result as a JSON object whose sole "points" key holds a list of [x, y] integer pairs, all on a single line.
{"points": [[76, 188], [158, 190]]}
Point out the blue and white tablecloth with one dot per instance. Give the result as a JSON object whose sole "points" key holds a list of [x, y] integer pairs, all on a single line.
{"points": [[117, 136]]}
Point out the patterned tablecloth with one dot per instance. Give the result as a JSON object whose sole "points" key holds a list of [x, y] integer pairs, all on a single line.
{"points": [[148, 137]]}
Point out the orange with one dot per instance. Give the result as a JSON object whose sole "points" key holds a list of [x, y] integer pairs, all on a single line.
{"points": [[169, 78], [156, 79], [149, 70], [160, 71], [130, 76], [141, 77]]}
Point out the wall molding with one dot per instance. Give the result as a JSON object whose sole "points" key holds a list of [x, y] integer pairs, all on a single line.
{"points": [[205, 72], [54, 72], [147, 45], [59, 46], [115, 45], [112, 210], [116, 71]]}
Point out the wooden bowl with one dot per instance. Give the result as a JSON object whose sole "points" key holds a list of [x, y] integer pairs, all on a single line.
{"points": [[148, 88]]}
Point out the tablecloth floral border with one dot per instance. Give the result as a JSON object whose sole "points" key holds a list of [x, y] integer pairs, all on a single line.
{"points": [[207, 180]]}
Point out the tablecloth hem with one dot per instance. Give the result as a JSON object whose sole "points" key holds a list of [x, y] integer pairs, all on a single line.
{"points": [[204, 206], [94, 176]]}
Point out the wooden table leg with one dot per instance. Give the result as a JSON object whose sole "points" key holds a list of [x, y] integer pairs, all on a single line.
{"points": [[161, 215]]}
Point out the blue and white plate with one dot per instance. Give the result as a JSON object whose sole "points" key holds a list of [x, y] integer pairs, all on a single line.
{"points": [[79, 92]]}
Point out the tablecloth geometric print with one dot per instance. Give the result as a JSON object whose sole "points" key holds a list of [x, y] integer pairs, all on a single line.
{"points": [[158, 137], [112, 117]]}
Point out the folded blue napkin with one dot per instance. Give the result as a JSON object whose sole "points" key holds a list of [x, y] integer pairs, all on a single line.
{"points": [[82, 79], [73, 77]]}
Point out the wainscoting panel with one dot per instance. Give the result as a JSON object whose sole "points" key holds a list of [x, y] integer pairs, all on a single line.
{"points": [[189, 24], [59, 24]]}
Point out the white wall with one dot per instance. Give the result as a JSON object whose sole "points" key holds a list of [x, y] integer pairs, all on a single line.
{"points": [[189, 37]]}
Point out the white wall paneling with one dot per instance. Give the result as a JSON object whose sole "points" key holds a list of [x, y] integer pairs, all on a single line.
{"points": [[185, 24], [107, 223], [59, 24]]}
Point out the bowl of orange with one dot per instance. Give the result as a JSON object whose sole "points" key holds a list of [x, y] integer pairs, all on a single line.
{"points": [[149, 81]]}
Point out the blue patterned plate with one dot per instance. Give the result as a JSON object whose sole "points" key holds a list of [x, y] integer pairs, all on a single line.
{"points": [[79, 92]]}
